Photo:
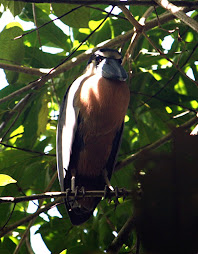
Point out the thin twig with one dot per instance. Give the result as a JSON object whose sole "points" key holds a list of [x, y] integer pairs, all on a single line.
{"points": [[47, 23], [9, 217], [122, 237], [27, 150], [102, 10], [137, 33], [28, 245], [35, 22]]}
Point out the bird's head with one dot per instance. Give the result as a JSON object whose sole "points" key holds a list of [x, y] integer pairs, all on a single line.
{"points": [[107, 63]]}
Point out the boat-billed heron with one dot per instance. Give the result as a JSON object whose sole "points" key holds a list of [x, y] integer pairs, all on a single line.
{"points": [[89, 130]]}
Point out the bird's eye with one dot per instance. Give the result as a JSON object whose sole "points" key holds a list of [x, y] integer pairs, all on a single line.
{"points": [[99, 59]]}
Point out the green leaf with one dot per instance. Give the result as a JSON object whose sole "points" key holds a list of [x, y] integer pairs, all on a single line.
{"points": [[6, 179], [43, 116], [15, 7], [11, 51], [78, 18], [7, 246], [50, 35], [64, 252], [39, 59]]}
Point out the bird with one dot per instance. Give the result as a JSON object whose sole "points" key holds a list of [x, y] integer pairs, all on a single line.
{"points": [[89, 130]]}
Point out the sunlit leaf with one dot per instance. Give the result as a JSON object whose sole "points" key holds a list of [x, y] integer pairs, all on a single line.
{"points": [[189, 37], [63, 252], [6, 179]]}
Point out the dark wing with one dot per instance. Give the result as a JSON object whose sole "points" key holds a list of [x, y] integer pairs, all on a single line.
{"points": [[81, 211], [114, 151]]}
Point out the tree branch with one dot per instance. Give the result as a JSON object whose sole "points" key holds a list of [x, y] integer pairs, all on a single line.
{"points": [[23, 69], [130, 17], [80, 194], [88, 194], [112, 2], [177, 12], [136, 35], [37, 83], [27, 150]]}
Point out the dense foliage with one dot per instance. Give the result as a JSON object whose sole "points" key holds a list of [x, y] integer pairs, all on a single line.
{"points": [[162, 68]]}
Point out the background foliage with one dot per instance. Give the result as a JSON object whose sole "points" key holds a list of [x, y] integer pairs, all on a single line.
{"points": [[163, 97]]}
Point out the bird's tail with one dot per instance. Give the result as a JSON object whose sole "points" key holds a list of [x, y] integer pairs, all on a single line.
{"points": [[81, 210]]}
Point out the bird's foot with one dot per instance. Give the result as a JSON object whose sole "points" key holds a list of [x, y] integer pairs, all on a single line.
{"points": [[116, 196], [76, 190], [82, 189], [107, 181], [107, 193], [68, 191], [124, 193], [74, 197]]}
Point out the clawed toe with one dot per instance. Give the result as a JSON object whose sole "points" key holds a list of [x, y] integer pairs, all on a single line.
{"points": [[82, 189], [116, 196], [107, 192], [108, 195]]}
